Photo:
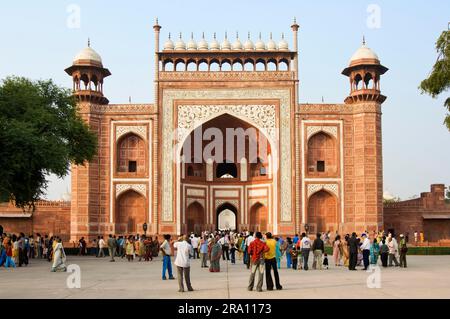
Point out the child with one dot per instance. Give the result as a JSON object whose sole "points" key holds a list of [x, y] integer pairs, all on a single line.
{"points": [[294, 257], [325, 261], [233, 253]]}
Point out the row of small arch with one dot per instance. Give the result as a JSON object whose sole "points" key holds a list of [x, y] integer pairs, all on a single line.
{"points": [[226, 65], [365, 81]]}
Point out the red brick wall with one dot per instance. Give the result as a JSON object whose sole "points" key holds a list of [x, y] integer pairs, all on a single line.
{"points": [[407, 216], [48, 218]]}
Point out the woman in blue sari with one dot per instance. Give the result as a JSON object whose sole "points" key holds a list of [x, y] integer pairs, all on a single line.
{"points": [[374, 252]]}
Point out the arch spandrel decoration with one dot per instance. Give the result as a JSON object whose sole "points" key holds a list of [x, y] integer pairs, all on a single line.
{"points": [[140, 130], [313, 129], [140, 188], [220, 202], [314, 188], [190, 116], [190, 201]]}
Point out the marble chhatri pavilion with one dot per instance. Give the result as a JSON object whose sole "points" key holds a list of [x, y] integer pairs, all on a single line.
{"points": [[321, 168]]}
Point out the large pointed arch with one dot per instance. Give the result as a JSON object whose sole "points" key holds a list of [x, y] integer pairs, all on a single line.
{"points": [[186, 128]]}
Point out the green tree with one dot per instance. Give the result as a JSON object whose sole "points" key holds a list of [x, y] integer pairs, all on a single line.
{"points": [[439, 79], [40, 133]]}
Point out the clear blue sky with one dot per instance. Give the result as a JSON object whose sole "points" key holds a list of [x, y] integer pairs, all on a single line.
{"points": [[37, 43]]}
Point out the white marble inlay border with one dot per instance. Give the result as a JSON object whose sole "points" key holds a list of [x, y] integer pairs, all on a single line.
{"points": [[140, 188], [140, 130]]}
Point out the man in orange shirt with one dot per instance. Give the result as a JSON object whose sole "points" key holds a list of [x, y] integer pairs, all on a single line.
{"points": [[256, 250]]}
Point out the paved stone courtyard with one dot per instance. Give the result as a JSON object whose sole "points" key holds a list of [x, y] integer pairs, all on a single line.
{"points": [[426, 277]]}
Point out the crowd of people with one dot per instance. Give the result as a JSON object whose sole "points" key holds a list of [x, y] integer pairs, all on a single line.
{"points": [[17, 250], [141, 247], [261, 254]]}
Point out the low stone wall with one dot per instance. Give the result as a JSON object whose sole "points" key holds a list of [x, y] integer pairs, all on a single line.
{"points": [[49, 217]]}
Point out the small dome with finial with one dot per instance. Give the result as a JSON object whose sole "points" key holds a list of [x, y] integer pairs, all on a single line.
{"points": [[87, 56], [192, 45], [237, 45], [248, 45], [271, 45], [203, 44], [214, 44], [364, 53], [283, 45], [225, 43], [168, 45], [180, 45], [259, 45]]}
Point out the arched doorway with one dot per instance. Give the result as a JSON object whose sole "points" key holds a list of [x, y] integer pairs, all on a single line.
{"points": [[322, 155], [322, 212], [195, 218], [226, 217], [219, 154], [131, 212], [131, 154], [258, 218]]}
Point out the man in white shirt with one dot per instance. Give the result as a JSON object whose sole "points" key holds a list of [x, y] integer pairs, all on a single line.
{"points": [[365, 247], [306, 247], [194, 243], [183, 263], [101, 246]]}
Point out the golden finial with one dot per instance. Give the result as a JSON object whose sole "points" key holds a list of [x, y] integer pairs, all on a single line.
{"points": [[156, 21], [364, 40], [192, 35], [226, 36], [169, 35], [89, 42], [214, 35], [237, 34], [180, 35], [260, 35], [270, 35], [249, 35]]}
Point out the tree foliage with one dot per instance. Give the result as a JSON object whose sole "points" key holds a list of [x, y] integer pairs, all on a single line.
{"points": [[40, 133], [439, 79]]}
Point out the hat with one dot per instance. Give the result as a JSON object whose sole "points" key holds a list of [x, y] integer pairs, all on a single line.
{"points": [[363, 235], [401, 235]]}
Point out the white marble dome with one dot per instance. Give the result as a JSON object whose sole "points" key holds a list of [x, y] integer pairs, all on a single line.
{"points": [[88, 54], [283, 45], [226, 45], [259, 45], [248, 45], [192, 45], [168, 45], [203, 44], [271, 45], [214, 46], [237, 45], [364, 53], [180, 45]]}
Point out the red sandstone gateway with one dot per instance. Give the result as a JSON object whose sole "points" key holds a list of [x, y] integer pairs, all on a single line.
{"points": [[318, 166]]}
